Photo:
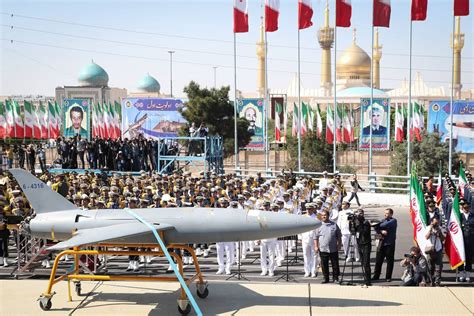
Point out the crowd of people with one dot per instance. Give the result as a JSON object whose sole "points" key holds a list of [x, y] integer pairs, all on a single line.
{"points": [[344, 231]]}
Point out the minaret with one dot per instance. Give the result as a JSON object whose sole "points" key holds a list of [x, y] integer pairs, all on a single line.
{"points": [[457, 47], [261, 63], [326, 39], [377, 56]]}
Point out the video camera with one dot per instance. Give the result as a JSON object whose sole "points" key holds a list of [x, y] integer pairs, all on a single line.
{"points": [[409, 256]]}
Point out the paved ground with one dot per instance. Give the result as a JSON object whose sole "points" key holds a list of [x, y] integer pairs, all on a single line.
{"points": [[254, 294], [232, 298]]}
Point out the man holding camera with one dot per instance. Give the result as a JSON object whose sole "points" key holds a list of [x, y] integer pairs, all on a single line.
{"points": [[416, 268], [388, 230], [362, 229], [434, 250]]}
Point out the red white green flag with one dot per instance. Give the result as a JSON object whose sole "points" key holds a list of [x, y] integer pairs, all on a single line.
{"points": [[43, 114], [417, 121], [51, 121], [10, 126], [294, 127], [348, 131], [3, 121], [399, 122], [118, 118], [329, 125], [29, 119], [419, 218], [278, 111], [19, 125], [439, 190], [338, 124], [319, 122], [304, 118], [454, 243], [58, 118], [462, 183]]}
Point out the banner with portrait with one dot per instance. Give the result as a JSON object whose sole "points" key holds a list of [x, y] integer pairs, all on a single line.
{"points": [[151, 117], [76, 118], [439, 121], [377, 113], [252, 110]]}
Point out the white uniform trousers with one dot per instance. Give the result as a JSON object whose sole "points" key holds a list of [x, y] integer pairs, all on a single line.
{"points": [[309, 257], [345, 245], [225, 255], [267, 251], [280, 250]]}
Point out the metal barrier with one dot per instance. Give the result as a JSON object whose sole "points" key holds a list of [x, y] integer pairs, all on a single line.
{"points": [[375, 183]]}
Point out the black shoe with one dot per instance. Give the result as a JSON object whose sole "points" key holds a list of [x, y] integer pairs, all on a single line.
{"points": [[388, 280], [325, 281], [375, 278], [336, 280]]}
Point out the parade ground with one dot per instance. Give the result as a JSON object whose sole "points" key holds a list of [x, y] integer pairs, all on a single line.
{"points": [[239, 298], [253, 294]]}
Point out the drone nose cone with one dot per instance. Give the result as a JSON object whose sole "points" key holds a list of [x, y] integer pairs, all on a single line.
{"points": [[290, 224]]}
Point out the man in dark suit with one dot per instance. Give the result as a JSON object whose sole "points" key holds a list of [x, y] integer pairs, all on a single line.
{"points": [[467, 226], [377, 119]]}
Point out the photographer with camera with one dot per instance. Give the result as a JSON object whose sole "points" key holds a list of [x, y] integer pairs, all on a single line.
{"points": [[415, 273], [346, 215], [362, 229], [434, 251]]}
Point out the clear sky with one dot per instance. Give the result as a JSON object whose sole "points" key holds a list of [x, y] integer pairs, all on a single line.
{"points": [[132, 38]]}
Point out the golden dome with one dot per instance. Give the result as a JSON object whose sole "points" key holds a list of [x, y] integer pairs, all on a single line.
{"points": [[353, 64]]}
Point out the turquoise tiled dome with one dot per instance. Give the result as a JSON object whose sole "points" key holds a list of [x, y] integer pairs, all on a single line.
{"points": [[149, 84], [93, 75]]}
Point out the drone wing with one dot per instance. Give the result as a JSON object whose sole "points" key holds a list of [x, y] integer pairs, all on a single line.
{"points": [[115, 233]]}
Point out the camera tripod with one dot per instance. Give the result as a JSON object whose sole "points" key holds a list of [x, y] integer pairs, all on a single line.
{"points": [[351, 255], [238, 274]]}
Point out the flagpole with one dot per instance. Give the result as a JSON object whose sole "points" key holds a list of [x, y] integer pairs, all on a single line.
{"points": [[236, 148], [409, 103], [300, 107], [371, 92], [451, 106], [334, 149], [265, 104]]}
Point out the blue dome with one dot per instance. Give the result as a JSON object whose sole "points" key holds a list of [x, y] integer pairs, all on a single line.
{"points": [[149, 84], [93, 75], [360, 92]]}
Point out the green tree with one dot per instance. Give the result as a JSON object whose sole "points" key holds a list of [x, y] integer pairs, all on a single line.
{"points": [[429, 156], [213, 107]]}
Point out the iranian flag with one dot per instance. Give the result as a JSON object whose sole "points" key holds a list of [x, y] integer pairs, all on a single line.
{"points": [[348, 131], [461, 7], [462, 182], [399, 122], [417, 121], [272, 11], [304, 118], [278, 111], [100, 121], [94, 120], [51, 121], [37, 125], [3, 121], [111, 129], [319, 122], [454, 243], [10, 130], [241, 17], [118, 117], [43, 115], [439, 190], [343, 13], [305, 14], [294, 127], [58, 118], [381, 14], [310, 119], [418, 10], [29, 119], [19, 125], [419, 217], [338, 124], [329, 125]]}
